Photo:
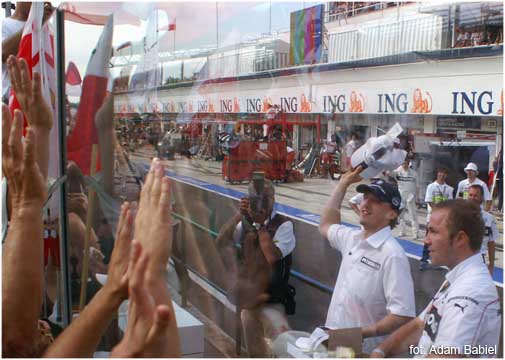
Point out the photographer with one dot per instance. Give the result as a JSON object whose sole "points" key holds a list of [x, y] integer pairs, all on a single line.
{"points": [[256, 246]]}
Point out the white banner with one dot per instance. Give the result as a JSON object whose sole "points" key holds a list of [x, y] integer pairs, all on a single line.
{"points": [[467, 93]]}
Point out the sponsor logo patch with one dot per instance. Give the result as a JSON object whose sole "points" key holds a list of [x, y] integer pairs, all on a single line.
{"points": [[371, 263], [431, 322]]}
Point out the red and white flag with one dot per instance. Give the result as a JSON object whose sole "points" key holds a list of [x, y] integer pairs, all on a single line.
{"points": [[37, 48], [170, 27], [94, 90], [73, 80]]}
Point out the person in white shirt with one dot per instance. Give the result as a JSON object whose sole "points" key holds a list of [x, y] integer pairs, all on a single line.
{"points": [[436, 192], [464, 317], [374, 289], [350, 148], [471, 172], [476, 195], [406, 177], [256, 246]]}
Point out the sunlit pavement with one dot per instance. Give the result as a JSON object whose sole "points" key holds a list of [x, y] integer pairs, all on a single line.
{"points": [[310, 195]]}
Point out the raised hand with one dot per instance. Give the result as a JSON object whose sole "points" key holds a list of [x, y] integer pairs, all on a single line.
{"points": [[24, 178], [153, 225], [29, 94], [147, 323], [153, 229], [117, 280], [352, 176]]}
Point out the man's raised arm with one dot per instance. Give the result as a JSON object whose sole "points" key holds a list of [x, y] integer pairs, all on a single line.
{"points": [[331, 212]]}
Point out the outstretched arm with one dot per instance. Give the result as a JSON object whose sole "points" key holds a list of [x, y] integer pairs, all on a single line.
{"points": [[400, 341], [147, 323], [331, 212], [153, 230], [89, 327], [22, 266], [385, 326], [225, 236], [491, 253]]}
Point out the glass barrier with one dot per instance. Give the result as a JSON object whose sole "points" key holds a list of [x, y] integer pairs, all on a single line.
{"points": [[259, 130]]}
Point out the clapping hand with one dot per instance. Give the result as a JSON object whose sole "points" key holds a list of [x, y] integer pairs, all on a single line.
{"points": [[147, 323]]}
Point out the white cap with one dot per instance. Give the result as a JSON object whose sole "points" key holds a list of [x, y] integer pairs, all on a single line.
{"points": [[472, 166]]}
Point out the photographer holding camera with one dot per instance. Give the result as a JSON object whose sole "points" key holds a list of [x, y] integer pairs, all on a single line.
{"points": [[256, 246]]}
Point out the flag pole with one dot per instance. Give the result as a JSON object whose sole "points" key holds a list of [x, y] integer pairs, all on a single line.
{"points": [[89, 220]]}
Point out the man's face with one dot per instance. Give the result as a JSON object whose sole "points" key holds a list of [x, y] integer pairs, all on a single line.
{"points": [[471, 174], [474, 195], [438, 240], [441, 176], [374, 213], [405, 165]]}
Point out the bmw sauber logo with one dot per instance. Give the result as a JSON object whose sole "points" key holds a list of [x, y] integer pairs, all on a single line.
{"points": [[396, 201]]}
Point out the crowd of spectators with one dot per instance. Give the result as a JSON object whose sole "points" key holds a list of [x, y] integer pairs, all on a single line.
{"points": [[477, 36], [136, 269], [344, 9]]}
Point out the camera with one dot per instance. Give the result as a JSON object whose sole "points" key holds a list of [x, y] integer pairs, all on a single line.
{"points": [[258, 201]]}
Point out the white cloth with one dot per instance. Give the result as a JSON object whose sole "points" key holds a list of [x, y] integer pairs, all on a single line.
{"points": [[284, 238], [410, 209], [374, 280], [406, 180], [351, 147], [9, 27], [490, 231], [464, 312], [463, 36], [437, 193], [357, 199], [463, 186]]}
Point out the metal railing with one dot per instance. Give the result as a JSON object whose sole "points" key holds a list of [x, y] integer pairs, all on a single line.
{"points": [[399, 37], [299, 276], [340, 10], [182, 267]]}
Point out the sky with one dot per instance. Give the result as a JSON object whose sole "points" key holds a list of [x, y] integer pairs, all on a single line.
{"points": [[195, 23]]}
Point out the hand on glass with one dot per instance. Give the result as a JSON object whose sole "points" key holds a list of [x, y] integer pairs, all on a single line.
{"points": [[153, 225], [145, 334], [117, 279]]}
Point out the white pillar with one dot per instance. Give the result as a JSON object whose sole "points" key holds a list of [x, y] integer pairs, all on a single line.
{"points": [[373, 129], [331, 129], [430, 125], [296, 140]]}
